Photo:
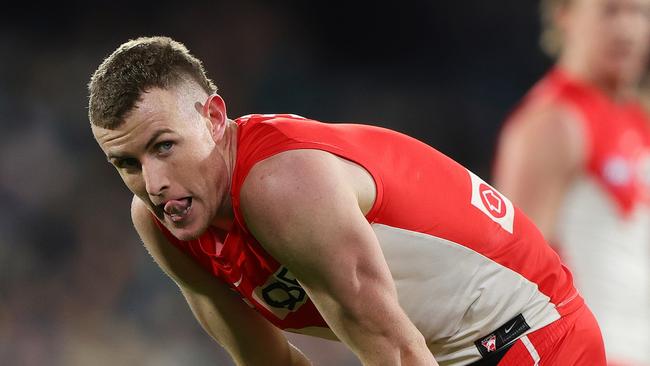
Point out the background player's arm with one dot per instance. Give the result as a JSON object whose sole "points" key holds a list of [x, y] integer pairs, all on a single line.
{"points": [[299, 205], [247, 336], [539, 156]]}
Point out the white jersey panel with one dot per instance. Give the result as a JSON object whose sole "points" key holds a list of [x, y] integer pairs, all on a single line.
{"points": [[609, 255], [480, 294]]}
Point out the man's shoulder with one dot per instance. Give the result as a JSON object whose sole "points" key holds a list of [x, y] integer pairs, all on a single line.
{"points": [[258, 133], [290, 166], [278, 144], [270, 119], [291, 179], [548, 131], [546, 117]]}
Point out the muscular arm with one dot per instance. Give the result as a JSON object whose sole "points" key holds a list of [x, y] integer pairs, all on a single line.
{"points": [[539, 155], [247, 336], [300, 207]]}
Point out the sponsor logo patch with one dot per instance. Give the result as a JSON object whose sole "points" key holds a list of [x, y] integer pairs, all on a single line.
{"points": [[503, 336], [281, 294]]}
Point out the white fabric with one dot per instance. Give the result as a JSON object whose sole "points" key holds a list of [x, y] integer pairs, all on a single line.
{"points": [[609, 255], [531, 349], [481, 295]]}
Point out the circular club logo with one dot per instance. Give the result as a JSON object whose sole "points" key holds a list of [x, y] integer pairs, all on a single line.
{"points": [[492, 201]]}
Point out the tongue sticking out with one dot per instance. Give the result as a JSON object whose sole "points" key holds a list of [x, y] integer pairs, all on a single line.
{"points": [[177, 209]]}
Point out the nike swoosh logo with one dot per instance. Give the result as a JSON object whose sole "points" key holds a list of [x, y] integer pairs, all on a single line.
{"points": [[508, 329]]}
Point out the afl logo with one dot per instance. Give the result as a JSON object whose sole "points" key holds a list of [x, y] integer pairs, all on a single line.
{"points": [[492, 200], [494, 205]]}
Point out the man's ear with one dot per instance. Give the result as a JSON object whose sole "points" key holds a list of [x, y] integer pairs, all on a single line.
{"points": [[215, 111]]}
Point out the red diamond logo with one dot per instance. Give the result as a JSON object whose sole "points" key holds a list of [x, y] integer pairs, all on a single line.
{"points": [[492, 201]]}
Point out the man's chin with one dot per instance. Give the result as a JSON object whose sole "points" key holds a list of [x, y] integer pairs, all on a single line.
{"points": [[184, 235], [187, 233]]}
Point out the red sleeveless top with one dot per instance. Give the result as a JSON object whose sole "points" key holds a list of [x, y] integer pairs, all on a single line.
{"points": [[463, 258]]}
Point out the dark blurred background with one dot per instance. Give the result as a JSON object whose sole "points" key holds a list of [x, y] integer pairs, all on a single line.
{"points": [[76, 286]]}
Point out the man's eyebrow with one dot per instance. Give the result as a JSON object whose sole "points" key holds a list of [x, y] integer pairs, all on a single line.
{"points": [[152, 139], [155, 135]]}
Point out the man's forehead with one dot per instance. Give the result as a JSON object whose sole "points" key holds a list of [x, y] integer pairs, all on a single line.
{"points": [[132, 134], [154, 105], [156, 109]]}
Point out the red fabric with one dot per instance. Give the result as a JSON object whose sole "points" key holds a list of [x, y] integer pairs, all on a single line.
{"points": [[418, 189], [617, 136], [573, 340]]}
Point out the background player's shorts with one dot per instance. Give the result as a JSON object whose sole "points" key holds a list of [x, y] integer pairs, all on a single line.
{"points": [[574, 339]]}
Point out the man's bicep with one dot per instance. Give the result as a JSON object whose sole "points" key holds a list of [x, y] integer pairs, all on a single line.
{"points": [[301, 210], [304, 211], [538, 157], [309, 219]]}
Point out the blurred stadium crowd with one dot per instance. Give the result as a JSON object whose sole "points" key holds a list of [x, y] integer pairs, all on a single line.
{"points": [[76, 286]]}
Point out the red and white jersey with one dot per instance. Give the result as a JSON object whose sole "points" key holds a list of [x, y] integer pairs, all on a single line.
{"points": [[604, 223], [465, 261]]}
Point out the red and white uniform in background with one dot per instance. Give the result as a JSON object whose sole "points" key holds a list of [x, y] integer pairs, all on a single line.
{"points": [[464, 260], [604, 223]]}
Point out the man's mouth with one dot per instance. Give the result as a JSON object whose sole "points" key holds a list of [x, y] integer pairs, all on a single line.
{"points": [[177, 210]]}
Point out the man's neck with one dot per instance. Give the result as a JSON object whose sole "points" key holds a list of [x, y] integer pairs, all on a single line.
{"points": [[615, 88], [228, 146]]}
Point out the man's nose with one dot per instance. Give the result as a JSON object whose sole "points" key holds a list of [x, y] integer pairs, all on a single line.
{"points": [[155, 179]]}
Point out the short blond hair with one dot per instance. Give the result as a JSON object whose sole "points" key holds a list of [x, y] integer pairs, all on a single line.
{"points": [[551, 37]]}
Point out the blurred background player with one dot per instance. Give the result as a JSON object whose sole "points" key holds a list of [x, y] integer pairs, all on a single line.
{"points": [[575, 157]]}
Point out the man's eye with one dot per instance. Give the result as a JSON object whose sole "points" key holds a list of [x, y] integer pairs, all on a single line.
{"points": [[165, 146], [127, 163]]}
